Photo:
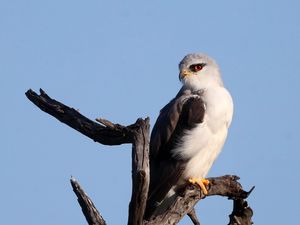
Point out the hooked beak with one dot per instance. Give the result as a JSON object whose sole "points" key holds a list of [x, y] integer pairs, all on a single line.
{"points": [[183, 74]]}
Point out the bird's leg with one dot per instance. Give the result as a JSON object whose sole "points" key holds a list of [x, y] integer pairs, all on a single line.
{"points": [[201, 182]]}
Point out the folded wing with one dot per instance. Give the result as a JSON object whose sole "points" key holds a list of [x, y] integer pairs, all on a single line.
{"points": [[182, 113]]}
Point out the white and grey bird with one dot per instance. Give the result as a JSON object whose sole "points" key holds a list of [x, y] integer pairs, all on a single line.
{"points": [[190, 131]]}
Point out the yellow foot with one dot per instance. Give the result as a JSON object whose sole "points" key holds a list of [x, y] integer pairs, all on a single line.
{"points": [[201, 182]]}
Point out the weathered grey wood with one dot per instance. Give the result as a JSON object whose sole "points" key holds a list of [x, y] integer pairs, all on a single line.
{"points": [[193, 216], [115, 135], [108, 133], [88, 208], [241, 213], [224, 186], [140, 172]]}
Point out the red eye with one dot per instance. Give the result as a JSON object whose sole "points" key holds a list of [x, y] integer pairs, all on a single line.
{"points": [[197, 67]]}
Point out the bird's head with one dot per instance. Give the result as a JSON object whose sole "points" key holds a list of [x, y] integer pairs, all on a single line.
{"points": [[199, 71]]}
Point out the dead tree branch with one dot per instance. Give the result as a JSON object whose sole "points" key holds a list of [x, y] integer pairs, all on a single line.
{"points": [[88, 208], [108, 133], [226, 186], [140, 172], [193, 217]]}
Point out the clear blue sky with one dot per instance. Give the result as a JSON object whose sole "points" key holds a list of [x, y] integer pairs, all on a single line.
{"points": [[118, 60]]}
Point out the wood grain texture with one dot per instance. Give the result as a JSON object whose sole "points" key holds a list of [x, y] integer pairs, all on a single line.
{"points": [[226, 186], [140, 172], [88, 208], [108, 135]]}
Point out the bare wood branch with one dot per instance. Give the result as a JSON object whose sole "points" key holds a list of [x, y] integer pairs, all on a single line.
{"points": [[193, 216], [89, 210], [106, 123], [242, 213], [224, 186], [140, 173], [107, 135]]}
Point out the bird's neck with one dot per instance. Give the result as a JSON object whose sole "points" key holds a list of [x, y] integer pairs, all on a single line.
{"points": [[200, 84]]}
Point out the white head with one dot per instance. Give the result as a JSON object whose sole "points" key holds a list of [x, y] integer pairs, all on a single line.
{"points": [[198, 71]]}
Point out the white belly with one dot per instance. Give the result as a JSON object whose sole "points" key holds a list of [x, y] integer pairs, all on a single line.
{"points": [[201, 162], [201, 145]]}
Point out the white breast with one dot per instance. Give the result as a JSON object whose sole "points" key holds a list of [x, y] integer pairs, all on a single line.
{"points": [[202, 145]]}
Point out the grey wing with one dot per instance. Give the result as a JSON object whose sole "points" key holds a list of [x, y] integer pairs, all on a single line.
{"points": [[181, 114]]}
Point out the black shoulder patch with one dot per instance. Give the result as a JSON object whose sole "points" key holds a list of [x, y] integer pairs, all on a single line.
{"points": [[192, 113]]}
